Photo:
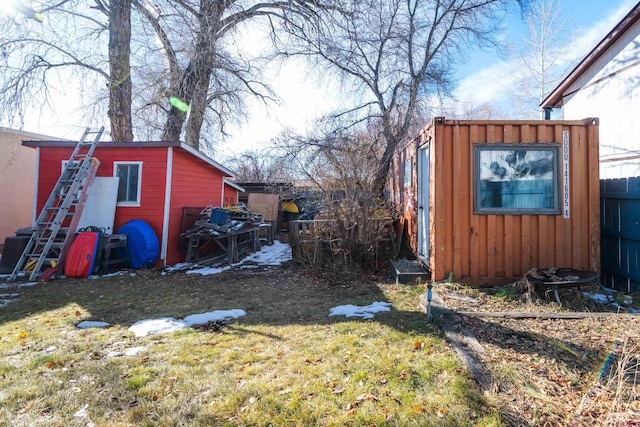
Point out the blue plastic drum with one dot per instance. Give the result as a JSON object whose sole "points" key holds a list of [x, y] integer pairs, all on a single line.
{"points": [[142, 243]]}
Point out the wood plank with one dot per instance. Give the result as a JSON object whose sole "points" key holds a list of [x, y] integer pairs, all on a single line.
{"points": [[526, 243], [466, 178], [509, 244], [499, 247], [539, 315], [438, 200], [544, 244], [466, 346], [450, 177]]}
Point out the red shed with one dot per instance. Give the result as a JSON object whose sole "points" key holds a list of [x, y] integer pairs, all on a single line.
{"points": [[160, 178], [231, 193]]}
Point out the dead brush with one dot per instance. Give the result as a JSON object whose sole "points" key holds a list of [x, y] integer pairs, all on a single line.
{"points": [[614, 399], [624, 384], [353, 230]]}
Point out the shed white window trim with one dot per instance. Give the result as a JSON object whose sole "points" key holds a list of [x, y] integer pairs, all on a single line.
{"points": [[64, 166], [130, 185]]}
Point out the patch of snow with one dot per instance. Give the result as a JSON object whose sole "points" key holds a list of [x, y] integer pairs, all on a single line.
{"points": [[599, 298], [272, 255], [92, 324], [6, 299], [27, 285], [169, 324], [178, 266], [82, 412], [207, 271], [134, 351], [50, 349], [156, 326], [275, 254], [8, 296], [213, 316], [366, 312]]}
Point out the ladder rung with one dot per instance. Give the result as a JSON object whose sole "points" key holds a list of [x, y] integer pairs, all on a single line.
{"points": [[43, 241]]}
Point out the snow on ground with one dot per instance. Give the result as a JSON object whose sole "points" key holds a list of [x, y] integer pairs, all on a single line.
{"points": [[272, 255], [608, 298], [169, 324], [92, 324], [366, 312], [275, 254]]}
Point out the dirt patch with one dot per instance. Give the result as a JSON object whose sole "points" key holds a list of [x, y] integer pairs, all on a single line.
{"points": [[553, 372]]}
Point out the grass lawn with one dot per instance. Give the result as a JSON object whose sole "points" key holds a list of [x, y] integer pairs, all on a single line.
{"points": [[286, 363]]}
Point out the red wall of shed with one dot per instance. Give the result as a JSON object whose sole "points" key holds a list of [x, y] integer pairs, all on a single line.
{"points": [[154, 161], [194, 184]]}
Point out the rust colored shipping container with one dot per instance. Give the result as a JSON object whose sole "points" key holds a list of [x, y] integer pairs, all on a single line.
{"points": [[487, 201]]}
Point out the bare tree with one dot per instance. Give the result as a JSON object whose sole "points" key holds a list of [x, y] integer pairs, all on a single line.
{"points": [[394, 54], [120, 85], [265, 166], [186, 65], [202, 68], [541, 56], [469, 109], [38, 60]]}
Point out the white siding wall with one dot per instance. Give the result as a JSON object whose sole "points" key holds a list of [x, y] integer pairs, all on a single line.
{"points": [[610, 90]]}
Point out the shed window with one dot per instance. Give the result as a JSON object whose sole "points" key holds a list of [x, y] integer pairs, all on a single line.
{"points": [[130, 174], [516, 179]]}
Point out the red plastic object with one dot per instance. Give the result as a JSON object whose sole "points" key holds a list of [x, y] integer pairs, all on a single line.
{"points": [[82, 255]]}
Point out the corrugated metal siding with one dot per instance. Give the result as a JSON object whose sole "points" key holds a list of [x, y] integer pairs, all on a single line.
{"points": [[620, 207], [481, 248]]}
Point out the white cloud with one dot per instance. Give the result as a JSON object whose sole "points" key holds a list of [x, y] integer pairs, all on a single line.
{"points": [[492, 83]]}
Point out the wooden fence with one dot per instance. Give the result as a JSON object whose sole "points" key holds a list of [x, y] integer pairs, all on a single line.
{"points": [[316, 242], [620, 233]]}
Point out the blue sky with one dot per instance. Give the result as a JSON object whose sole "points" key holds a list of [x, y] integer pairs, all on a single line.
{"points": [[484, 78], [487, 77]]}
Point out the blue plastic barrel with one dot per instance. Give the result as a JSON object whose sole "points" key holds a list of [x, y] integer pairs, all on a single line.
{"points": [[142, 243]]}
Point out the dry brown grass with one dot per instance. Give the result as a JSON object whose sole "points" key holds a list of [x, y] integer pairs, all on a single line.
{"points": [[286, 363]]}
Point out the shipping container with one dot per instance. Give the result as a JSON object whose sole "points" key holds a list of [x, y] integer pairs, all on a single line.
{"points": [[486, 201]]}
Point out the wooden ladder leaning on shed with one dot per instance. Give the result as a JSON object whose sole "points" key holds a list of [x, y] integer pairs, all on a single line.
{"points": [[57, 223]]}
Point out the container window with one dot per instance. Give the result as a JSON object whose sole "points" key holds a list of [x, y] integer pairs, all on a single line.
{"points": [[516, 179], [407, 173], [130, 184]]}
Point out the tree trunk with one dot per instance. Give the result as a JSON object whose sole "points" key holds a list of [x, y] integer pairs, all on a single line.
{"points": [[187, 84], [120, 71], [194, 78], [198, 108]]}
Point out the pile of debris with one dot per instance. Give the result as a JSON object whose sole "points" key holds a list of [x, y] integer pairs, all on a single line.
{"points": [[234, 231]]}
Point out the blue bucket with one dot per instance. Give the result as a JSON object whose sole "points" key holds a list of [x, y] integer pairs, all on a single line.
{"points": [[142, 243]]}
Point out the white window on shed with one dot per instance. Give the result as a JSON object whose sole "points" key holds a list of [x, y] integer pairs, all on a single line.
{"points": [[129, 188]]}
